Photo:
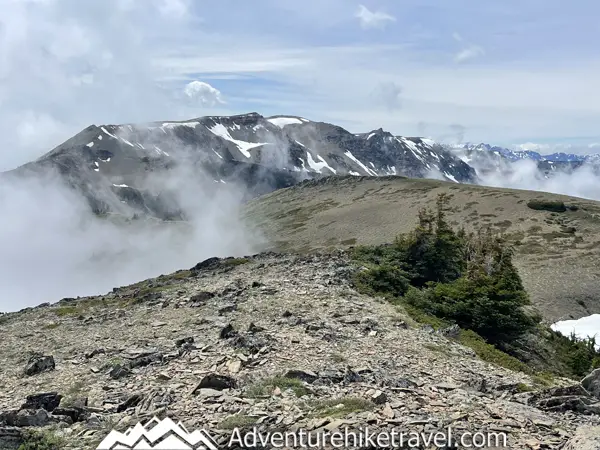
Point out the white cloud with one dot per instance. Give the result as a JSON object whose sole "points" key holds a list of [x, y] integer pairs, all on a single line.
{"points": [[174, 8], [389, 94], [203, 93], [468, 52], [369, 19]]}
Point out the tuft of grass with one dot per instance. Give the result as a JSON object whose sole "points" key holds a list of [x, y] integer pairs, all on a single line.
{"points": [[491, 354], [264, 388], [235, 261], [435, 348], [422, 317], [544, 379], [522, 387], [236, 421], [41, 440], [338, 358], [63, 311], [340, 407], [112, 363], [180, 275]]}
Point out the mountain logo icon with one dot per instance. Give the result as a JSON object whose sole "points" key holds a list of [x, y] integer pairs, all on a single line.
{"points": [[158, 435]]}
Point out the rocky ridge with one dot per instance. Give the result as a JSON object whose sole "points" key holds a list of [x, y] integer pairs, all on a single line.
{"points": [[281, 342]]}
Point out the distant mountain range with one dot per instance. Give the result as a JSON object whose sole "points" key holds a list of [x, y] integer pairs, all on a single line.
{"points": [[517, 155], [487, 158], [115, 167]]}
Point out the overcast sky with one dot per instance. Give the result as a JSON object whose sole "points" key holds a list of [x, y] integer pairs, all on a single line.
{"points": [[505, 73]]}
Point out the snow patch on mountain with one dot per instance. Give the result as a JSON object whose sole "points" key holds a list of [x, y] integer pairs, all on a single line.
{"points": [[283, 121], [244, 147]]}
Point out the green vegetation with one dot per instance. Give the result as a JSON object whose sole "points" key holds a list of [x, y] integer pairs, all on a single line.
{"points": [[265, 388], [547, 205], [580, 355], [441, 276], [237, 421], [67, 311], [39, 440], [491, 354], [340, 407], [232, 262]]}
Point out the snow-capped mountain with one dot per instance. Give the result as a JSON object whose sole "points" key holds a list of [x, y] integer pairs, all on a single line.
{"points": [[525, 152], [486, 158], [111, 165]]}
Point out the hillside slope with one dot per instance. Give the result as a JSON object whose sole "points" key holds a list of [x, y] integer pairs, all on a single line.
{"points": [[558, 254], [280, 342]]}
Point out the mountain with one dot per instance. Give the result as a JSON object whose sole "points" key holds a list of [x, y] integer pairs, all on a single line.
{"points": [[556, 252], [115, 166], [486, 158]]}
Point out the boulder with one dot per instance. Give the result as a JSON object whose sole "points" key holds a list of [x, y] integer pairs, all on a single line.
{"points": [[592, 383], [48, 401], [585, 438], [38, 364]]}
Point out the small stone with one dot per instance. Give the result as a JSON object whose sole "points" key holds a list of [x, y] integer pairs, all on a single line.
{"points": [[387, 411], [378, 397], [234, 365]]}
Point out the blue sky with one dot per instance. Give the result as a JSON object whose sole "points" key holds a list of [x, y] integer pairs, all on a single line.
{"points": [[505, 72]]}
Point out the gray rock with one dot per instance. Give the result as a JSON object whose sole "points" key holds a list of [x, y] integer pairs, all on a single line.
{"points": [[585, 438], [592, 383], [10, 438], [38, 364], [48, 401], [119, 371], [303, 375], [216, 382], [25, 418]]}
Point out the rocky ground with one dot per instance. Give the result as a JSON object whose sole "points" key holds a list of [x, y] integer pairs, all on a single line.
{"points": [[281, 342]]}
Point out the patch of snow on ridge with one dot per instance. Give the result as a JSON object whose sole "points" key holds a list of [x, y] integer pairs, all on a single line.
{"points": [[583, 328], [318, 166], [127, 142], [243, 146], [283, 121], [365, 168], [108, 133], [160, 152], [180, 124], [450, 177], [120, 185]]}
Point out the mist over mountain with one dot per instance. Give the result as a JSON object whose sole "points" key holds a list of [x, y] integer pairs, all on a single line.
{"points": [[118, 203], [559, 173]]}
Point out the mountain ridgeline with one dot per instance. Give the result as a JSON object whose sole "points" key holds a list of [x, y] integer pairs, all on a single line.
{"points": [[127, 170], [119, 168]]}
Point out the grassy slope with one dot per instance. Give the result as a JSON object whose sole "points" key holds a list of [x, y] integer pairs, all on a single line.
{"points": [[560, 269]]}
